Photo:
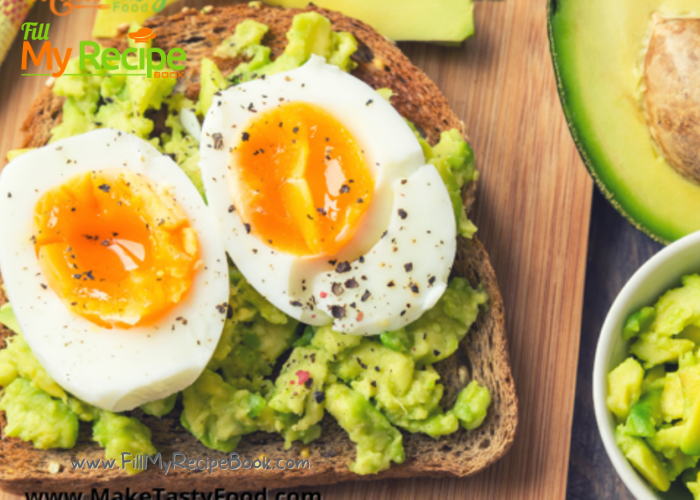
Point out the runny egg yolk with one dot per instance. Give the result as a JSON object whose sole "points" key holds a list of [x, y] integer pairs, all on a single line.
{"points": [[302, 184], [117, 249]]}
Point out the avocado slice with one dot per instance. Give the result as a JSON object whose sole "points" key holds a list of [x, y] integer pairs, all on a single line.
{"points": [[643, 459], [624, 387], [603, 99], [690, 442], [416, 20]]}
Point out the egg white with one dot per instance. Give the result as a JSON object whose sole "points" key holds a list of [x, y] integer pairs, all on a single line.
{"points": [[386, 240], [113, 369]]}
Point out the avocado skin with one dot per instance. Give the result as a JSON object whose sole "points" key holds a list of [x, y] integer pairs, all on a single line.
{"points": [[647, 211]]}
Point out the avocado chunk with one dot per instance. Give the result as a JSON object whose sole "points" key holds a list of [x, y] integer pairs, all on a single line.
{"points": [[334, 342], [417, 20], [624, 387], [217, 413], [85, 412], [454, 160], [123, 438], [675, 314], [667, 440], [310, 33], [438, 332], [245, 41], [211, 82], [690, 442], [33, 415], [254, 336], [17, 360], [398, 340], [299, 387], [160, 407], [643, 459], [378, 442], [472, 405], [672, 402], [371, 360], [602, 95], [654, 379], [8, 318], [645, 415], [638, 322], [676, 464]]}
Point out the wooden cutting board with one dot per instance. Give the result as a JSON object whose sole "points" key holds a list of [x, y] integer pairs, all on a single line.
{"points": [[533, 210]]}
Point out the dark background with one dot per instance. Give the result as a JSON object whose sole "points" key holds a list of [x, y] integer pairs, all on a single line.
{"points": [[615, 251]]}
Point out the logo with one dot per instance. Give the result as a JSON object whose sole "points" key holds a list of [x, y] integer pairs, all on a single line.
{"points": [[135, 5], [155, 61], [39, 31], [143, 35], [68, 6], [128, 6]]}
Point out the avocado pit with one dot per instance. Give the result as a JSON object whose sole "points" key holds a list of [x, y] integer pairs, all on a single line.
{"points": [[672, 97]]}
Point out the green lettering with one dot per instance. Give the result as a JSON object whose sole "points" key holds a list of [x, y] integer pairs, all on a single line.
{"points": [[176, 54], [125, 60], [109, 56], [84, 56], [150, 64]]}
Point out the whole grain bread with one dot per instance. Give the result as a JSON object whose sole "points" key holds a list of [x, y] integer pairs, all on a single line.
{"points": [[483, 352]]}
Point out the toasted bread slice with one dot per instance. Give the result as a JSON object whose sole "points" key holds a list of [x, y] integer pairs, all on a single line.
{"points": [[483, 352]]}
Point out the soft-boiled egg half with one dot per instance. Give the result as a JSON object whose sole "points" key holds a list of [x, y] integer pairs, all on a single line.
{"points": [[114, 267], [325, 201]]}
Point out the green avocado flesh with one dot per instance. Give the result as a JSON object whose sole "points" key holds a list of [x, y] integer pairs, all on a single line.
{"points": [[598, 48], [375, 387], [417, 20], [654, 394]]}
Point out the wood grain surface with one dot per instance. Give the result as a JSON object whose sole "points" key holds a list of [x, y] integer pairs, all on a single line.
{"points": [[533, 209], [615, 251]]}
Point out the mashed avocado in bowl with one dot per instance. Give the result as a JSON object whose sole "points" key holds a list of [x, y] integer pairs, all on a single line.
{"points": [[269, 373], [646, 376]]}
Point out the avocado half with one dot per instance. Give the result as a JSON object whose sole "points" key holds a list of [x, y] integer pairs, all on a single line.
{"points": [[599, 51]]}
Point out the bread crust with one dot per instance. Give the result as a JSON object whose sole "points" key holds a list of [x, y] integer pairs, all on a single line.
{"points": [[483, 351]]}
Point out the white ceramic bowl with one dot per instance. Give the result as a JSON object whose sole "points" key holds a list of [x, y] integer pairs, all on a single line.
{"points": [[662, 272]]}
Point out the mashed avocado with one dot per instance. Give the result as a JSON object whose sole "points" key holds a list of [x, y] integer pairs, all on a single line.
{"points": [[161, 407], [38, 409], [655, 392], [311, 33], [454, 160], [371, 385], [33, 415], [472, 404], [356, 379], [119, 434], [217, 413], [17, 360], [378, 442]]}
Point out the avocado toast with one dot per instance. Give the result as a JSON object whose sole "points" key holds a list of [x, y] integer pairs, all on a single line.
{"points": [[483, 351]]}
